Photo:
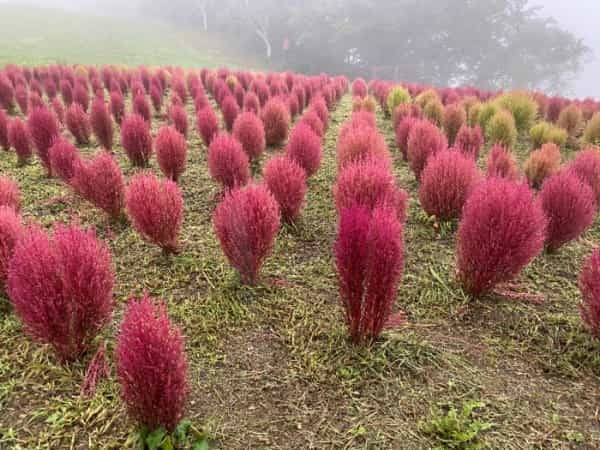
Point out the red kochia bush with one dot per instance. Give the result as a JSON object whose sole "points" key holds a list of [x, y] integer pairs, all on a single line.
{"points": [[359, 88], [469, 141], [230, 110], [100, 182], [208, 124], [43, 129], [454, 118], [227, 162], [369, 253], [246, 223], [179, 119], [10, 232], [586, 165], [311, 118], [151, 365], [155, 208], [4, 141], [304, 147], [369, 184], [589, 285], [501, 163], [171, 152], [117, 106], [61, 287], [424, 140], [7, 93], [358, 142], [446, 182], [63, 159], [141, 107], [287, 182], [78, 124], [249, 130], [276, 120], [568, 203], [10, 195], [102, 123], [18, 136], [502, 229], [136, 140]]}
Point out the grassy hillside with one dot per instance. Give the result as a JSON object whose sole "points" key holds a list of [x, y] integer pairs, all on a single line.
{"points": [[32, 35]]}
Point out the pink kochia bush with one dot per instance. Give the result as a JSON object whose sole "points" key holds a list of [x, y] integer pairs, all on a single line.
{"points": [[569, 205], [369, 184], [230, 111], [10, 232], [102, 123], [249, 130], [246, 223], [227, 162], [18, 136], [304, 147], [61, 287], [446, 182], [369, 254], [403, 132], [208, 124], [502, 229], [63, 159], [136, 140], [424, 140], [501, 163], [43, 129], [359, 141], [4, 141], [586, 165], [469, 141], [276, 119], [589, 285], [155, 208], [100, 182], [10, 195], [152, 365], [178, 118], [78, 124], [287, 182], [171, 152]]}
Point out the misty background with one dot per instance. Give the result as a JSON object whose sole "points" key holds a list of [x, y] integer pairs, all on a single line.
{"points": [[552, 45]]}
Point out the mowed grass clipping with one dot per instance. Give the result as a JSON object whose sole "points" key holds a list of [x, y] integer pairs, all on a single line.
{"points": [[271, 366]]}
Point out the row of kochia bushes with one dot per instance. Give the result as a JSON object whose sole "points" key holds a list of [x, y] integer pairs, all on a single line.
{"points": [[61, 283]]}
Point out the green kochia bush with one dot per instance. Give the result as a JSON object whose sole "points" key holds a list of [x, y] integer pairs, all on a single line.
{"points": [[397, 96], [522, 106], [544, 132], [501, 129]]}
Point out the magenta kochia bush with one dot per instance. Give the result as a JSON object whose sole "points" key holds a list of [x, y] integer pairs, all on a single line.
{"points": [[151, 365], [469, 141], [230, 110], [425, 140], [136, 140], [403, 132], [276, 119], [171, 152], [78, 124], [304, 147], [249, 130], [246, 223], [369, 254], [10, 232], [155, 208], [117, 106], [208, 124], [18, 136], [287, 182], [502, 229], [369, 184], [100, 182], [10, 195], [4, 141], [102, 123], [446, 182], [178, 118], [63, 159], [43, 129], [589, 285], [61, 287], [569, 205], [227, 162], [586, 165], [501, 163]]}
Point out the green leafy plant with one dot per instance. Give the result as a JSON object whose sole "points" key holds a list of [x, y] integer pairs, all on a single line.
{"points": [[457, 429], [185, 436]]}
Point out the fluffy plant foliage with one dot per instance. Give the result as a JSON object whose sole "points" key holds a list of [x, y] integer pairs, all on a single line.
{"points": [[171, 152], [208, 124], [44, 130], [544, 132], [502, 229], [541, 164], [4, 141], [286, 180], [569, 205], [446, 182], [403, 132], [230, 110], [359, 88], [469, 141], [63, 159], [11, 230], [155, 208], [312, 119], [589, 285], [78, 124], [502, 163], [246, 222], [178, 118], [454, 118], [304, 147], [586, 165], [152, 365], [501, 129], [61, 287], [395, 97], [571, 120], [521, 106], [102, 123], [10, 195], [141, 107], [359, 141], [117, 106], [18, 137], [136, 140], [276, 120], [227, 162], [434, 112], [249, 131], [591, 134], [369, 184], [100, 182], [424, 141], [369, 255]]}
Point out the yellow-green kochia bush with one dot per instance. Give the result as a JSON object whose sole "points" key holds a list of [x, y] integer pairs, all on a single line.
{"points": [[397, 96]]}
